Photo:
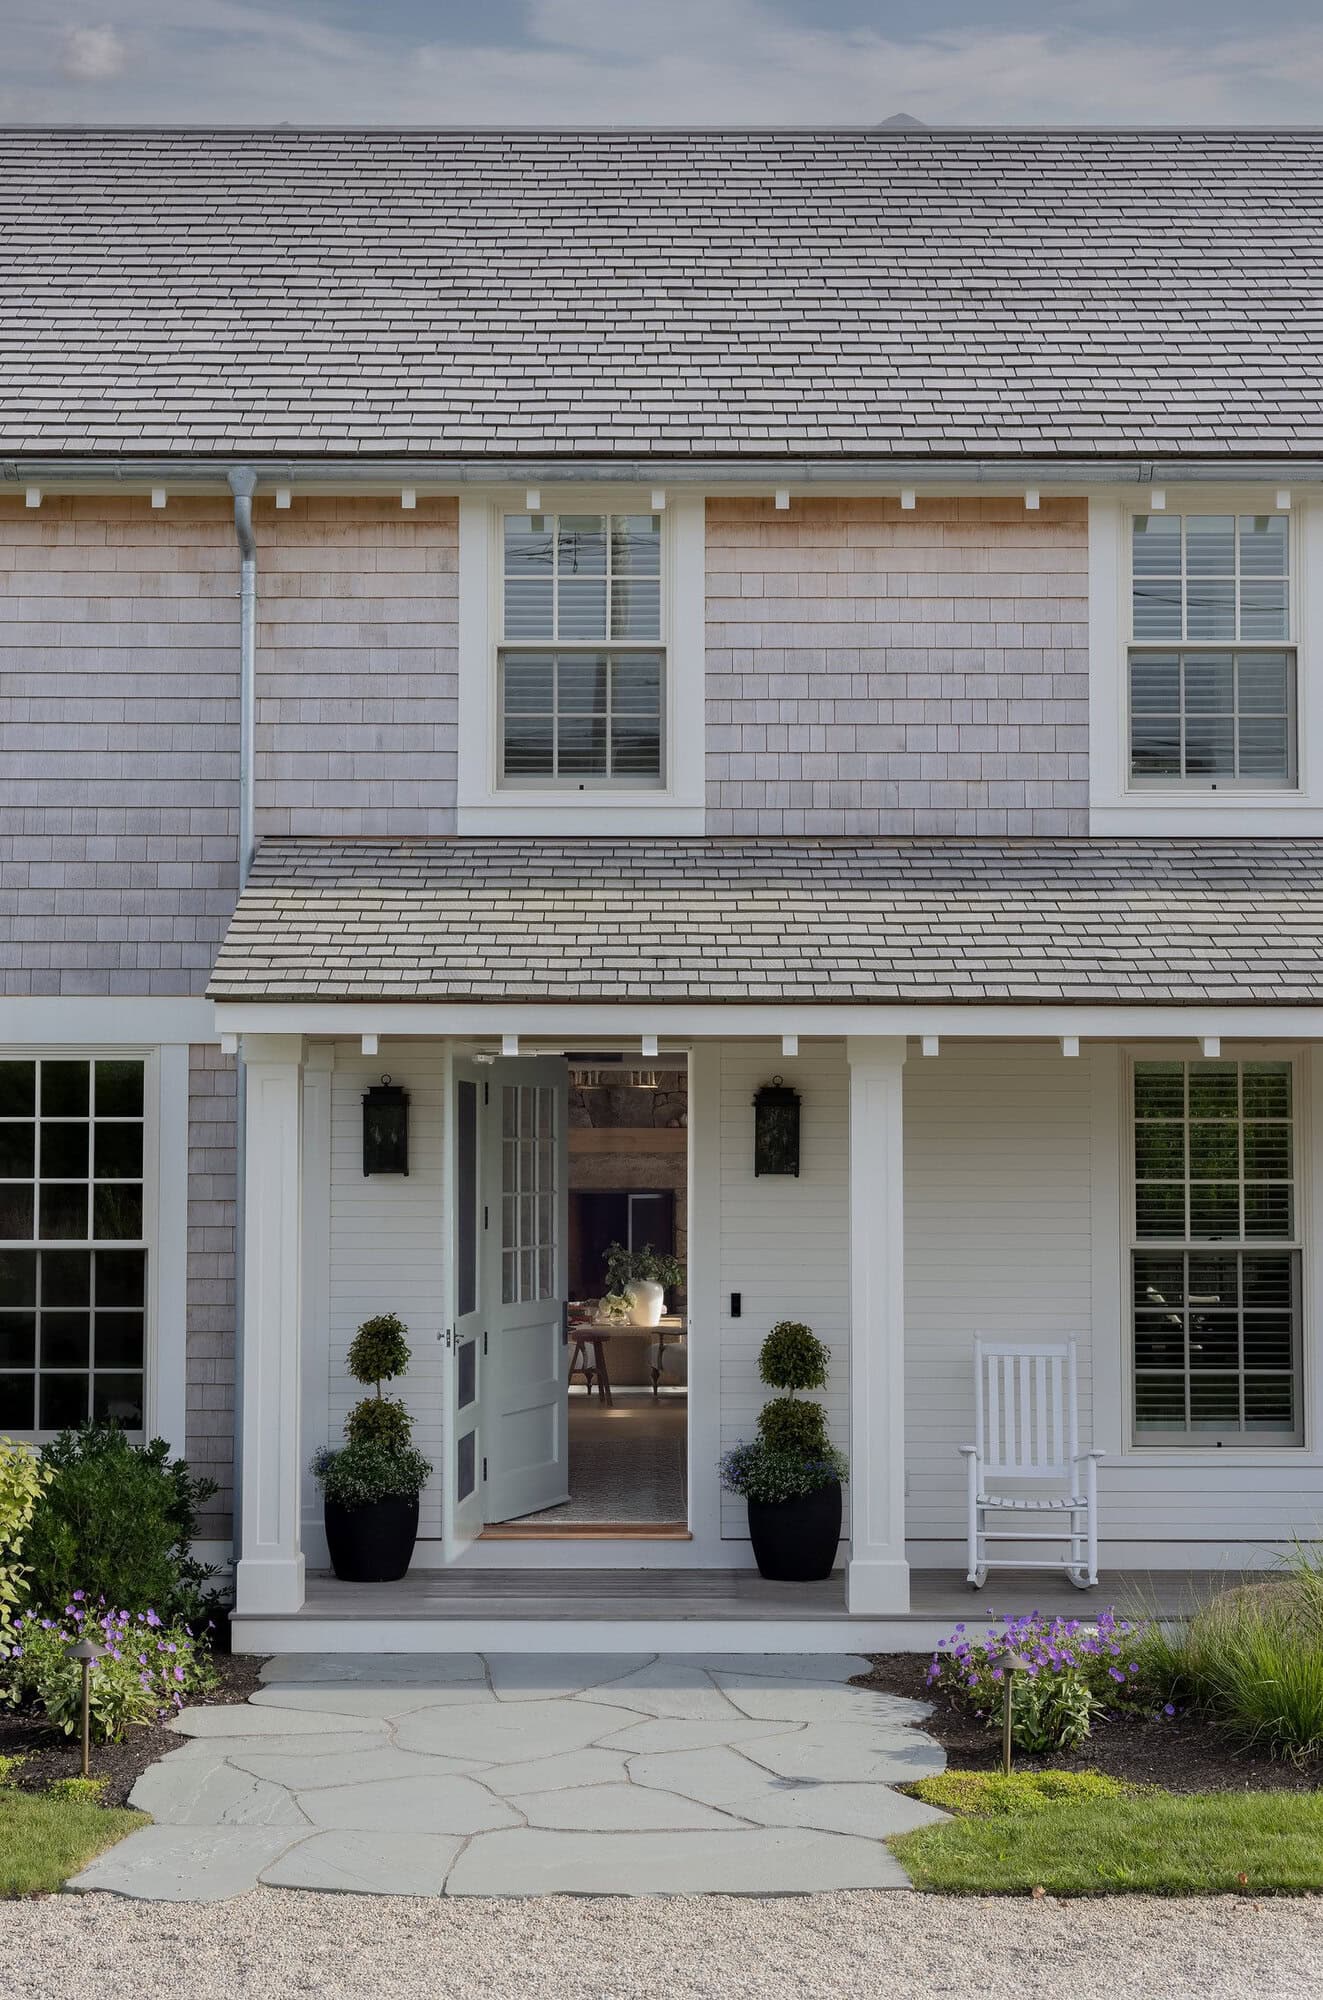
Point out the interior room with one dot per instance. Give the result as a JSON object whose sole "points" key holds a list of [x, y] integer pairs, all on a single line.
{"points": [[628, 1392]]}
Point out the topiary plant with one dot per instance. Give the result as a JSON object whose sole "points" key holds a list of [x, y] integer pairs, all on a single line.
{"points": [[379, 1350], [792, 1357], [787, 1425], [379, 1420]]}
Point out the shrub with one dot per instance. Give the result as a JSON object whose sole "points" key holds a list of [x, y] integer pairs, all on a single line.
{"points": [[792, 1357], [360, 1474], [379, 1420], [379, 1350], [23, 1478], [148, 1668], [995, 1794], [761, 1474], [1251, 1660], [118, 1519], [787, 1425], [1075, 1674]]}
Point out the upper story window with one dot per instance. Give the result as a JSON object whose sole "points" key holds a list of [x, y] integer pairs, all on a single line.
{"points": [[582, 659], [1211, 659], [72, 1247]]}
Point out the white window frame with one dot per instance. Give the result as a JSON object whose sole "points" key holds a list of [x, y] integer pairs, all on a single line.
{"points": [[165, 1222], [485, 804], [1112, 1228], [1120, 805]]}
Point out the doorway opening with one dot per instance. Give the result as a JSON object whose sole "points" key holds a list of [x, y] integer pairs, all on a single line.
{"points": [[627, 1393]]}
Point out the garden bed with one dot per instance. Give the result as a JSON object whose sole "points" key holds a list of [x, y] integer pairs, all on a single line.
{"points": [[48, 1754], [1181, 1753]]}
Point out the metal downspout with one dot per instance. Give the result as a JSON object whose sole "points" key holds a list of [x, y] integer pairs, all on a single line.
{"points": [[242, 482]]}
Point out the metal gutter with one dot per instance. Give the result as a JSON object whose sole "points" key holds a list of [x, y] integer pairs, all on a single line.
{"points": [[734, 473]]}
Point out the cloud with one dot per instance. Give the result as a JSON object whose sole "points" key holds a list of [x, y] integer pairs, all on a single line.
{"points": [[91, 55], [595, 62]]}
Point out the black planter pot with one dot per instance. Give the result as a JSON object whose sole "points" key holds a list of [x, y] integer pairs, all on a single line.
{"points": [[795, 1541], [372, 1544]]}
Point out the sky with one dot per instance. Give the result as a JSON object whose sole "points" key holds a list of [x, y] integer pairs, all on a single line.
{"points": [[633, 62]]}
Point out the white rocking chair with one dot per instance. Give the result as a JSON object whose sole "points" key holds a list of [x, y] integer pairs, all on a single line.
{"points": [[1026, 1422]]}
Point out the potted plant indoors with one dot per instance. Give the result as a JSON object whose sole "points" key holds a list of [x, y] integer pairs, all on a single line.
{"points": [[790, 1474], [642, 1276], [371, 1483]]}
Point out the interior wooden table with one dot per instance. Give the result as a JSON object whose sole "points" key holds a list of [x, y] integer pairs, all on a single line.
{"points": [[598, 1333]]}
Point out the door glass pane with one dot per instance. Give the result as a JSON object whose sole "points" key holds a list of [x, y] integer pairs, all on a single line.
{"points": [[466, 1197]]}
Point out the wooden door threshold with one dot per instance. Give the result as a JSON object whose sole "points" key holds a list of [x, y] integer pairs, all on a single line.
{"points": [[586, 1531]]}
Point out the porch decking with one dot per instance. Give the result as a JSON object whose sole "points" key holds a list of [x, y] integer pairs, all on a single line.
{"points": [[655, 1610]]}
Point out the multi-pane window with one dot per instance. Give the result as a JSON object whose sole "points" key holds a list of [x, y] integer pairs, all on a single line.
{"points": [[1212, 669], [582, 665], [528, 1192], [72, 1253], [1216, 1263]]}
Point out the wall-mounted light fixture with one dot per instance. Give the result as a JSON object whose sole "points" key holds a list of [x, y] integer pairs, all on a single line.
{"points": [[386, 1129], [776, 1129]]}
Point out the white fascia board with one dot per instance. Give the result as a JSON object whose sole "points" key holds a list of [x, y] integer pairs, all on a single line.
{"points": [[53, 1020], [724, 1019]]}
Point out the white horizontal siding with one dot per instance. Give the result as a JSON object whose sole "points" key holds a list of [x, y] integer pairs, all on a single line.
{"points": [[997, 1239], [784, 1243], [386, 1252]]}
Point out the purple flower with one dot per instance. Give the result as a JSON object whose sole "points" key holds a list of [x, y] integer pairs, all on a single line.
{"points": [[1169, 1709]]}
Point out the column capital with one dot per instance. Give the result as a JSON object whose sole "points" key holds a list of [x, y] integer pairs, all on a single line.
{"points": [[877, 1052], [278, 1051]]}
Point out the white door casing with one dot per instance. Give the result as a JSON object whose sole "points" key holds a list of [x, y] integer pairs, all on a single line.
{"points": [[462, 1499]]}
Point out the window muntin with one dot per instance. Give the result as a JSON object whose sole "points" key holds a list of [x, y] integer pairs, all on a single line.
{"points": [[528, 1192], [1211, 670], [581, 691], [72, 1250], [1215, 1267]]}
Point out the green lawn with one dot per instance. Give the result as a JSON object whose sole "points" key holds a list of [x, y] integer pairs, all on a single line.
{"points": [[1157, 1844], [45, 1837]]}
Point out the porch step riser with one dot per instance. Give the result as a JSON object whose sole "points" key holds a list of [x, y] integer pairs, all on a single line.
{"points": [[304, 1634]]}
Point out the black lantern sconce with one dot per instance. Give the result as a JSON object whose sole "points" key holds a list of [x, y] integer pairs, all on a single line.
{"points": [[776, 1129], [386, 1129]]}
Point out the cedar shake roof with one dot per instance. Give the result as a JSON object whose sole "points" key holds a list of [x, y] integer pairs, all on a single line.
{"points": [[837, 293], [778, 920]]}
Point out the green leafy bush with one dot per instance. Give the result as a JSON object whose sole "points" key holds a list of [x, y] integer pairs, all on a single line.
{"points": [[763, 1475], [117, 1519], [147, 1668], [1074, 1673], [792, 1357], [379, 1350], [360, 1474], [995, 1794], [379, 1420], [1251, 1660], [23, 1478], [785, 1424]]}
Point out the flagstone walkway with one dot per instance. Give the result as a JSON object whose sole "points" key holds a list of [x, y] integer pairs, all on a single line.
{"points": [[522, 1775]]}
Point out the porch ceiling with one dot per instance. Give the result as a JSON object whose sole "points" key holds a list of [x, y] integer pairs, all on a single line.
{"points": [[1169, 923]]}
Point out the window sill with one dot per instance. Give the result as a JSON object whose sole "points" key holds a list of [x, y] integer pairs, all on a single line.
{"points": [[581, 813], [1135, 814]]}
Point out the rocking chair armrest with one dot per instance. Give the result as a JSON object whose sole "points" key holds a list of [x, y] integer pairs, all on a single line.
{"points": [[1082, 1456], [968, 1450]]}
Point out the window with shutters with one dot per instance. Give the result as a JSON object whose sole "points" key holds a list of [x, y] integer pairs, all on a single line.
{"points": [[582, 658], [1215, 1256], [1211, 657]]}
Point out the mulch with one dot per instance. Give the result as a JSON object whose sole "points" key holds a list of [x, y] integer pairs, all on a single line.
{"points": [[1181, 1753], [47, 1754]]}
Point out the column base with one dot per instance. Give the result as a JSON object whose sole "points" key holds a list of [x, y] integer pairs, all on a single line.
{"points": [[876, 1587], [269, 1584]]}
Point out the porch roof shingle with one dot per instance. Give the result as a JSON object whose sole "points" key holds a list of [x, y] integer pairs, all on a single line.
{"points": [[807, 921], [780, 293]]}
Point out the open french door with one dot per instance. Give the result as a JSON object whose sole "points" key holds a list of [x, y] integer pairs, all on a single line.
{"points": [[508, 1401]]}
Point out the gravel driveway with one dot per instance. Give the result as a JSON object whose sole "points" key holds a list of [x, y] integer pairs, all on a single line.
{"points": [[279, 1943]]}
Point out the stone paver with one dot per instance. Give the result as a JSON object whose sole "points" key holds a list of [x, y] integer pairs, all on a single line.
{"points": [[461, 1775]]}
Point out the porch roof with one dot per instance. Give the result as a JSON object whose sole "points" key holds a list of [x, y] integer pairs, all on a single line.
{"points": [[773, 921]]}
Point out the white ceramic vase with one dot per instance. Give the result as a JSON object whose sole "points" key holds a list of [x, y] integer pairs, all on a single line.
{"points": [[647, 1300]]}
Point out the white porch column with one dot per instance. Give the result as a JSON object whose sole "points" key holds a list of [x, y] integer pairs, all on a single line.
{"points": [[878, 1579], [269, 1575]]}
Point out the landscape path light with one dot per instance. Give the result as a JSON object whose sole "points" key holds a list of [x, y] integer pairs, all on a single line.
{"points": [[87, 1653], [1011, 1664]]}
